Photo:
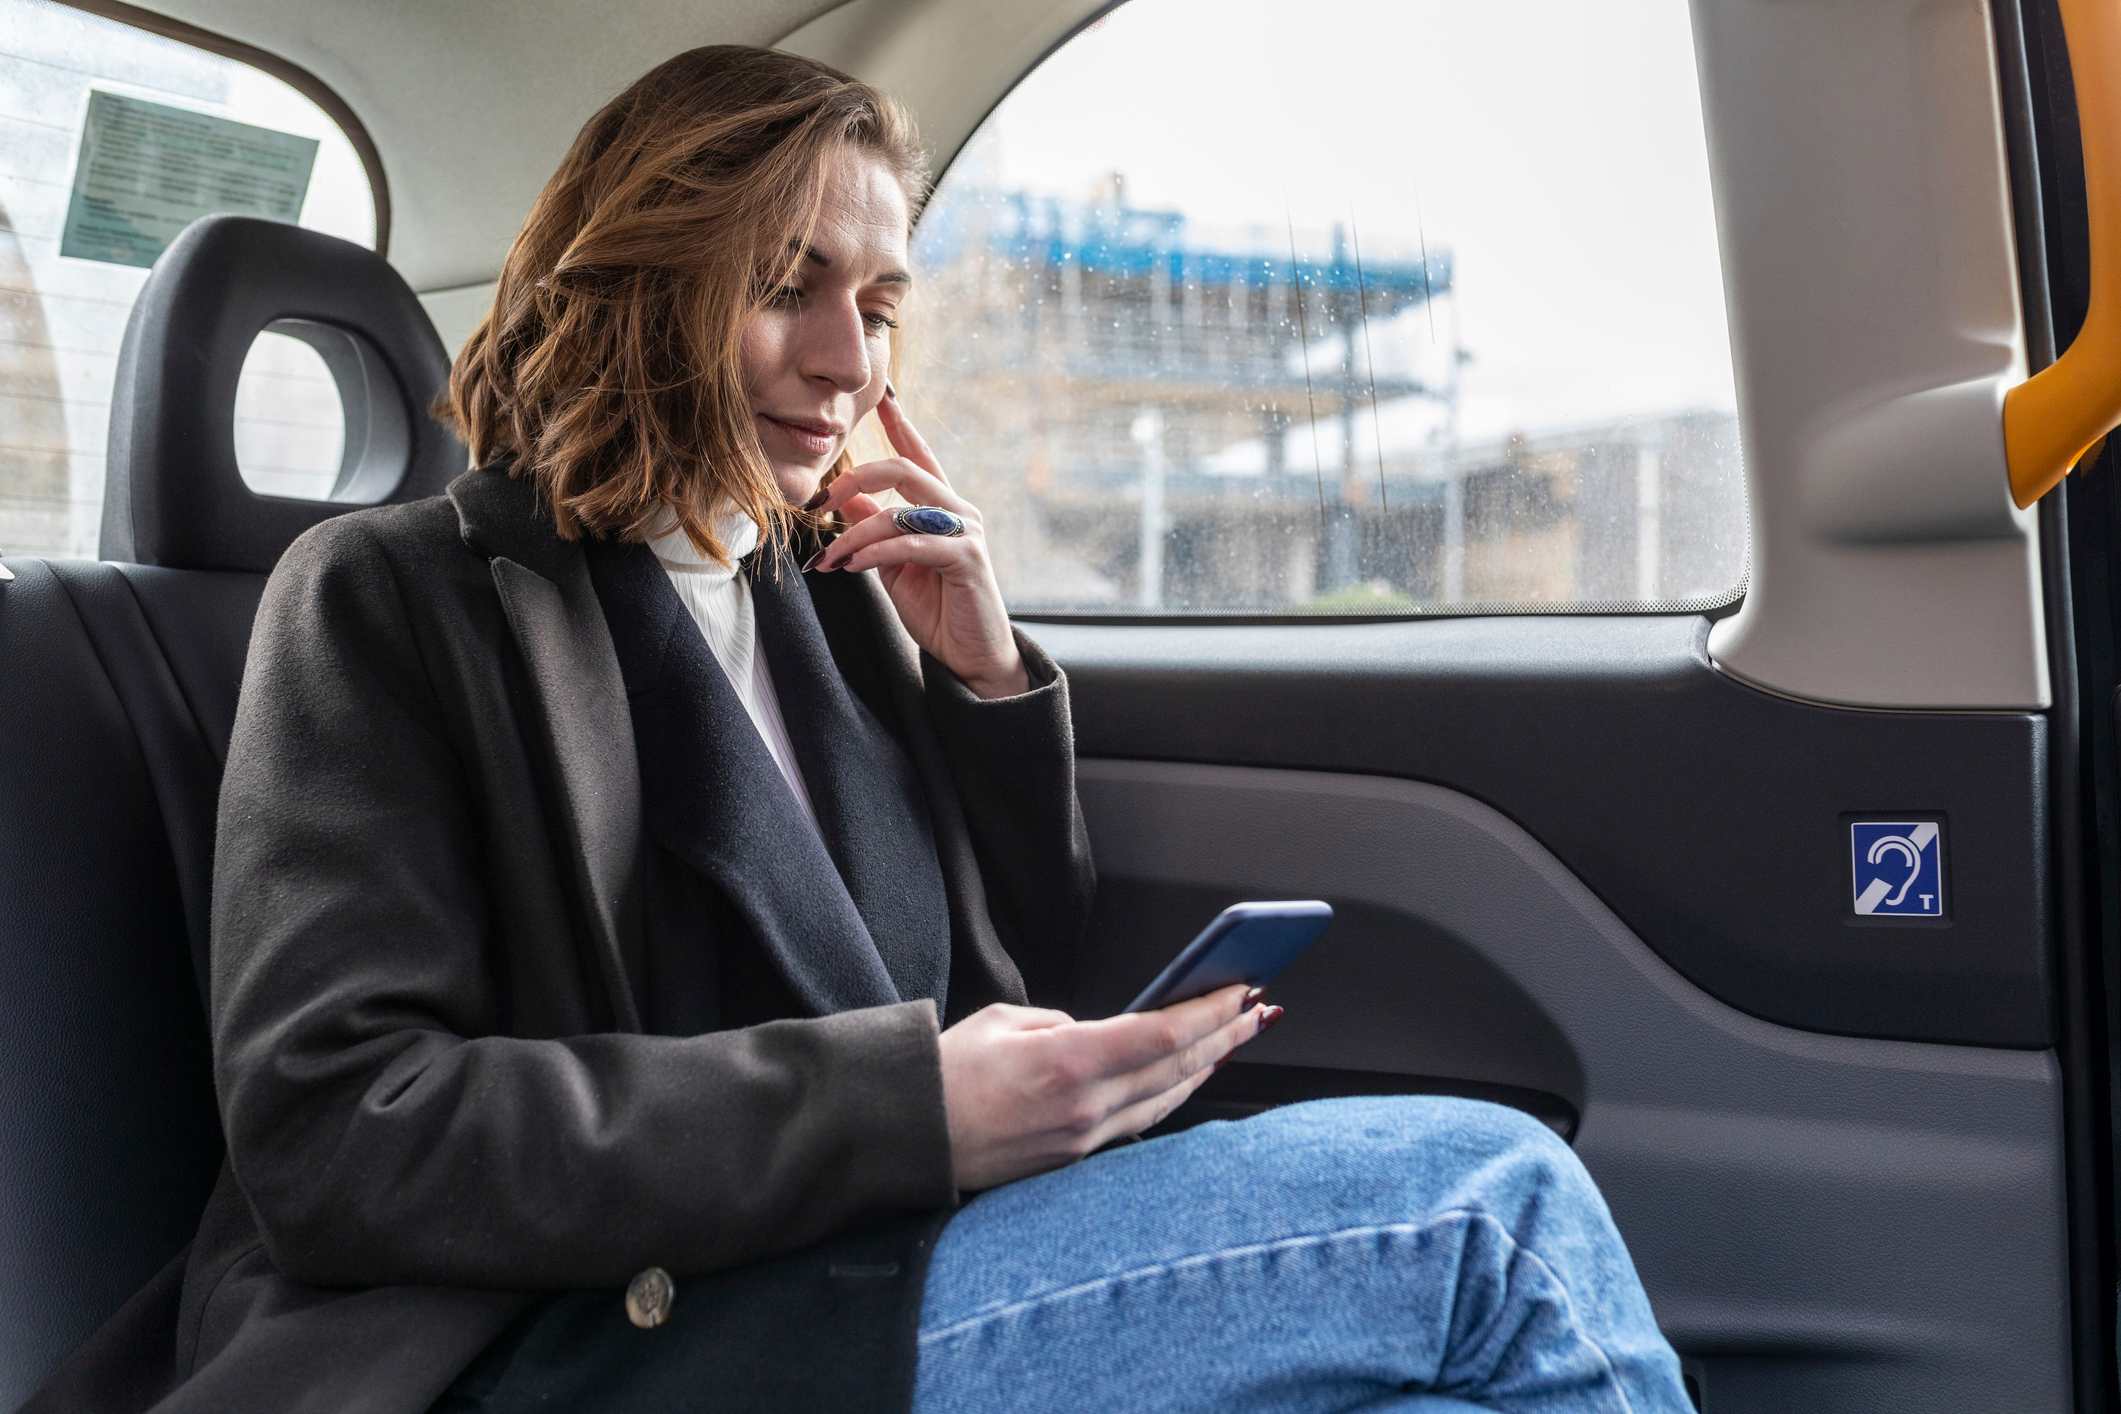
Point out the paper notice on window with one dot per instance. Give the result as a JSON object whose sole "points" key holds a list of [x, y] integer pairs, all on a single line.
{"points": [[146, 171]]}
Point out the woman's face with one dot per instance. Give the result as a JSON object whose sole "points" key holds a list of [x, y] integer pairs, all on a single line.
{"points": [[818, 351]]}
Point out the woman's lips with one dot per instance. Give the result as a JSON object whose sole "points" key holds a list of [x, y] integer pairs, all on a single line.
{"points": [[817, 444]]}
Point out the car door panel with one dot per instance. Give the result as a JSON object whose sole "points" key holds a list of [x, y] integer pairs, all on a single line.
{"points": [[1823, 1222], [1709, 814]]}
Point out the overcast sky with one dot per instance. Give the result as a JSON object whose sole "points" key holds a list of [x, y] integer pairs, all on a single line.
{"points": [[1554, 149]]}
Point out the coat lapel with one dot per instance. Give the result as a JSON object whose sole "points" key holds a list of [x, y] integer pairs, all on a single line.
{"points": [[870, 801], [581, 727], [714, 795], [882, 663]]}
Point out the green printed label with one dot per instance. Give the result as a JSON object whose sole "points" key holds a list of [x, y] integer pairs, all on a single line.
{"points": [[146, 171]]}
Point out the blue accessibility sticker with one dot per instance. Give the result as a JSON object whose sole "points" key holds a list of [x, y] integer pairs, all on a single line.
{"points": [[1898, 868]]}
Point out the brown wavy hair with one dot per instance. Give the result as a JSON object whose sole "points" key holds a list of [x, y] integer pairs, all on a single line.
{"points": [[608, 369]]}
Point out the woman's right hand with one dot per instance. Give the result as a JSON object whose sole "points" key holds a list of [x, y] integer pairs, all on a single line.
{"points": [[1029, 1089]]}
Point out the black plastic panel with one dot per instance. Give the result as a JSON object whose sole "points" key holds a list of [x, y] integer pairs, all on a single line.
{"points": [[1242, 1090], [1710, 816]]}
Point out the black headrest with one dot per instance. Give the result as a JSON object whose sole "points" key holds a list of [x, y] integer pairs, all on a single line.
{"points": [[173, 495]]}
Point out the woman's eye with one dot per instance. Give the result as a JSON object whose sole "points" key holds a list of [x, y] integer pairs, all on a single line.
{"points": [[789, 294]]}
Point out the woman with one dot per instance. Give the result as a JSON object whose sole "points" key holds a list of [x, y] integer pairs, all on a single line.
{"points": [[624, 936]]}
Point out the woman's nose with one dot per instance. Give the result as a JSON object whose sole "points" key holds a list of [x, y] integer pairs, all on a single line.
{"points": [[834, 345]]}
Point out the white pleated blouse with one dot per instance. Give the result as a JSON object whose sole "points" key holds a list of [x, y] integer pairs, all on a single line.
{"points": [[719, 601]]}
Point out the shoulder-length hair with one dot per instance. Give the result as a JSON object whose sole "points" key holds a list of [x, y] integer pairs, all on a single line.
{"points": [[608, 369]]}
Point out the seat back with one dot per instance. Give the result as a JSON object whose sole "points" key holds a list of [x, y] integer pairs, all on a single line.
{"points": [[118, 685]]}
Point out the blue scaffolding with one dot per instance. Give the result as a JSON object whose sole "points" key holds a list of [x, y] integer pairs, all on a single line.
{"points": [[1131, 243]]}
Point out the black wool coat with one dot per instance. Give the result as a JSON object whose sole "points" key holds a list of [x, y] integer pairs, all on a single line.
{"points": [[430, 940]]}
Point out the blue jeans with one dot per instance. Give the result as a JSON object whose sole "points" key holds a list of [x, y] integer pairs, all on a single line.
{"points": [[1366, 1252]]}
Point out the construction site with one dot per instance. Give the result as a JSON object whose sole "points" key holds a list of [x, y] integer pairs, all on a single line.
{"points": [[1162, 419]]}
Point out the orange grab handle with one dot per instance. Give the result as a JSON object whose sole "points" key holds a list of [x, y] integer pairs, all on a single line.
{"points": [[2053, 418]]}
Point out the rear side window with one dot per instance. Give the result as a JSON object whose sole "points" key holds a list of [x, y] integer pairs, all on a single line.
{"points": [[1327, 307], [111, 139]]}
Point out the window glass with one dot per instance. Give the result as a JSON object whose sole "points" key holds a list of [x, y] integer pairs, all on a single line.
{"points": [[1249, 306], [290, 424], [109, 136]]}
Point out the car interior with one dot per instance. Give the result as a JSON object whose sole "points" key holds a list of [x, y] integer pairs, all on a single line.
{"points": [[1580, 489]]}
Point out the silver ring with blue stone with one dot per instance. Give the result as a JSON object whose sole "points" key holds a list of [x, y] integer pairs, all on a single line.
{"points": [[928, 520]]}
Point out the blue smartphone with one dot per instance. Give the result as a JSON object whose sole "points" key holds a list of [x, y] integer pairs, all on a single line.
{"points": [[1246, 942]]}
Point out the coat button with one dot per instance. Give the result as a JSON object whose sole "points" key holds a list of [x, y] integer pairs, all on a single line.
{"points": [[648, 1297]]}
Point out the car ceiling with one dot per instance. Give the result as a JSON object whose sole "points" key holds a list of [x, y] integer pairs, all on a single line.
{"points": [[471, 103]]}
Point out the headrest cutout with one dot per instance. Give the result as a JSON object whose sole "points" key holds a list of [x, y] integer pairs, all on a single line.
{"points": [[373, 423], [174, 492]]}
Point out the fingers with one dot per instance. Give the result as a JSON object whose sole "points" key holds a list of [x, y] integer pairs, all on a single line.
{"points": [[877, 529], [859, 508], [938, 552], [857, 511], [1175, 1069], [862, 533], [1148, 1113], [917, 484], [1125, 1043], [1155, 1091], [909, 443]]}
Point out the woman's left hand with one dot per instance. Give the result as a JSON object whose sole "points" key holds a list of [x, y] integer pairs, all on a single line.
{"points": [[942, 585]]}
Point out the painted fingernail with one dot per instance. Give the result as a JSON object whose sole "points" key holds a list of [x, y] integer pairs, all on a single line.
{"points": [[818, 500], [1252, 996], [815, 556], [1271, 1015], [889, 391]]}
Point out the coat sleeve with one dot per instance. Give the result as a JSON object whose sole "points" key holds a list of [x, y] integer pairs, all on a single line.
{"points": [[381, 1128], [1013, 759]]}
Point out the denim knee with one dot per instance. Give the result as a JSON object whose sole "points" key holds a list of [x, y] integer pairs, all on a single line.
{"points": [[1487, 1128], [1460, 1150], [1478, 1124], [1488, 1136]]}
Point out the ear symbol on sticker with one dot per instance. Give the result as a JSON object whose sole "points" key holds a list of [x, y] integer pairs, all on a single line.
{"points": [[1902, 845]]}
